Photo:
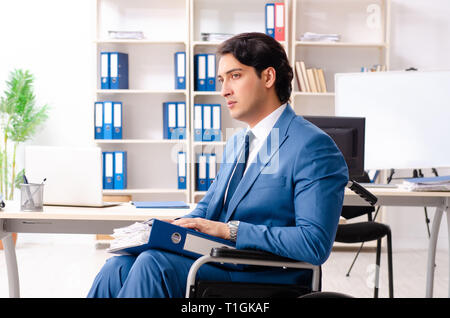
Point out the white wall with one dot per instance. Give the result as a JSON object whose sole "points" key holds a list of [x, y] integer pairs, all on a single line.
{"points": [[419, 34], [54, 40], [419, 38]]}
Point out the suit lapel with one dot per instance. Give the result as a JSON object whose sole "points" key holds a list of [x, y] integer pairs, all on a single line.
{"points": [[270, 147]]}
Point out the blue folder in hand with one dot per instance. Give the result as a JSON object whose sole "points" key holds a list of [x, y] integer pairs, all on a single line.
{"points": [[169, 237], [161, 204]]}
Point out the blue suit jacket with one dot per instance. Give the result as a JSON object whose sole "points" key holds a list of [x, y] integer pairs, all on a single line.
{"points": [[290, 200]]}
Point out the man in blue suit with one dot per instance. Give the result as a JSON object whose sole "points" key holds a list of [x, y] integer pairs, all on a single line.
{"points": [[279, 189]]}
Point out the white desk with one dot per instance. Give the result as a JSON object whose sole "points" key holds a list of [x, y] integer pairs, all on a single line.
{"points": [[104, 220], [76, 220], [398, 197]]}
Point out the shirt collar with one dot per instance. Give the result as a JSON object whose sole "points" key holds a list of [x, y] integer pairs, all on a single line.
{"points": [[263, 128]]}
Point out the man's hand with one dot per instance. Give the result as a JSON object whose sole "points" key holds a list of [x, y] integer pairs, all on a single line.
{"points": [[218, 229]]}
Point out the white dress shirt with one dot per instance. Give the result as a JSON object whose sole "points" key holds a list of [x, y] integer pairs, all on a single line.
{"points": [[260, 133]]}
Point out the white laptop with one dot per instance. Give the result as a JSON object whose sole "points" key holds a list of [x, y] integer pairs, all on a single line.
{"points": [[73, 174]]}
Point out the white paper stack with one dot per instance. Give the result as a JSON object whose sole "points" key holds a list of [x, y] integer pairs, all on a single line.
{"points": [[427, 184], [206, 36], [318, 37], [122, 35], [130, 236]]}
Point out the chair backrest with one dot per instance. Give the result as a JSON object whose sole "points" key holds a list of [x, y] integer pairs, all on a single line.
{"points": [[350, 212]]}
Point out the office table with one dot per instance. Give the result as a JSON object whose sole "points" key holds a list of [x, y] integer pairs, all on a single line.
{"points": [[81, 220], [70, 220], [400, 197]]}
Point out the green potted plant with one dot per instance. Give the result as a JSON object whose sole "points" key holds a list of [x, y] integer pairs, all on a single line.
{"points": [[19, 120]]}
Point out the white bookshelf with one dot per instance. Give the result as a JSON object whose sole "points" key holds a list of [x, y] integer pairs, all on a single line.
{"points": [[209, 143], [152, 166], [363, 26], [205, 43], [198, 93], [339, 44], [140, 141], [145, 191], [139, 91], [233, 16], [139, 42], [177, 25], [295, 94]]}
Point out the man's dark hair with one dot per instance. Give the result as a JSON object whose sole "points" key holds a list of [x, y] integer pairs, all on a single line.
{"points": [[262, 51]]}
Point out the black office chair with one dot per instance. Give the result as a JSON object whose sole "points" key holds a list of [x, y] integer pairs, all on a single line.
{"points": [[367, 231]]}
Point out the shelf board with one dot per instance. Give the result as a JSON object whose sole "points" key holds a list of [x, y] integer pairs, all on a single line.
{"points": [[131, 41], [206, 93], [141, 91], [217, 43], [341, 44], [139, 141], [206, 43], [209, 143], [143, 191], [331, 94]]}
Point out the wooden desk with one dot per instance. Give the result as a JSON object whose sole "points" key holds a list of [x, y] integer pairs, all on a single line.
{"points": [[399, 197], [103, 220]]}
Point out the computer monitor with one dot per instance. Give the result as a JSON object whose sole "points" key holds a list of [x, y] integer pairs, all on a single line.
{"points": [[348, 134]]}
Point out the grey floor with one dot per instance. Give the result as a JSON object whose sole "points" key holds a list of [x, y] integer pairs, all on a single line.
{"points": [[63, 265]]}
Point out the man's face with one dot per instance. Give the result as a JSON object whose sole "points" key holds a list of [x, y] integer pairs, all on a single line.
{"points": [[241, 87]]}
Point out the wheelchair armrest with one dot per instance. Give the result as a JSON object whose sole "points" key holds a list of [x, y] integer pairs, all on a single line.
{"points": [[248, 257], [225, 252], [362, 192]]}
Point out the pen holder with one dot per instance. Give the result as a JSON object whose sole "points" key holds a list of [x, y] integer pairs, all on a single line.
{"points": [[31, 197]]}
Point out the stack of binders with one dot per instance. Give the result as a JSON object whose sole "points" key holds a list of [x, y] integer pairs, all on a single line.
{"points": [[275, 24], [207, 122], [206, 170], [174, 120], [114, 170], [205, 72], [108, 120], [113, 70], [180, 70]]}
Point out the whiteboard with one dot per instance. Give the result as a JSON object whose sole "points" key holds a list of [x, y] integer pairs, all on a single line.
{"points": [[407, 116]]}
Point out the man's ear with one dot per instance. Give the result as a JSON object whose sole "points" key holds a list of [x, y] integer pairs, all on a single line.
{"points": [[269, 76]]}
